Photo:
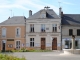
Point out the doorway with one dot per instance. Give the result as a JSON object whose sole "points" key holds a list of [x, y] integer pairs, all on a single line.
{"points": [[54, 44], [17, 44], [42, 43], [3, 45]]}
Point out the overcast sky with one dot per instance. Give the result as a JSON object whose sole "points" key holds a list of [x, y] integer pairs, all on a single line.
{"points": [[21, 7]]}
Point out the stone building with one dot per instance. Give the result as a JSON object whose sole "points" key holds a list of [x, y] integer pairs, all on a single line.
{"points": [[43, 30], [12, 33], [70, 26]]}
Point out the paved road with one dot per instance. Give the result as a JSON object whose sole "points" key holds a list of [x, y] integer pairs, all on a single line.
{"points": [[46, 56]]}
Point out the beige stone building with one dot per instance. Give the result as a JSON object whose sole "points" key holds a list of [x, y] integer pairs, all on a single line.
{"points": [[12, 33]]}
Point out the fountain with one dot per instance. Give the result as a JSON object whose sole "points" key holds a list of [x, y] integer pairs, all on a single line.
{"points": [[72, 50]]}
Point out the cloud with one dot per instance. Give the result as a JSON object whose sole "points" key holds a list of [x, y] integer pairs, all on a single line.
{"points": [[35, 5], [68, 3], [25, 4], [64, 2]]}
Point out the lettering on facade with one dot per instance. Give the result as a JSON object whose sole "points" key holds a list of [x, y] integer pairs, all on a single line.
{"points": [[10, 39]]}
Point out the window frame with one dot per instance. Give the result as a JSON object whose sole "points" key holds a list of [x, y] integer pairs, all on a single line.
{"points": [[78, 33], [43, 29], [31, 27], [4, 34], [54, 27], [70, 34], [43, 15], [32, 42], [19, 32]]}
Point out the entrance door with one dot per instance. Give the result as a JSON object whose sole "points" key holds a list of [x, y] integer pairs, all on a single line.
{"points": [[54, 44], [42, 43], [17, 44], [3, 47]]}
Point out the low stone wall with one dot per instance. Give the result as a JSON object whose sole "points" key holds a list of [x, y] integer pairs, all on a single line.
{"points": [[71, 51]]}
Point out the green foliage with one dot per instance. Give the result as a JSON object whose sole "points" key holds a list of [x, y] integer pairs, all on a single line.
{"points": [[7, 57], [28, 50]]}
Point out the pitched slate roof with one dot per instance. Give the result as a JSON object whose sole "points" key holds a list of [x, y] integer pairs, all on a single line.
{"points": [[14, 20], [50, 14], [71, 19]]}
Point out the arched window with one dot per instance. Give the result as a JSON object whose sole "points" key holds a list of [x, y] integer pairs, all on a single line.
{"points": [[18, 32], [3, 32]]}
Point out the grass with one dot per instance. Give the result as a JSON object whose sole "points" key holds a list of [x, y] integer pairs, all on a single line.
{"points": [[7, 57]]}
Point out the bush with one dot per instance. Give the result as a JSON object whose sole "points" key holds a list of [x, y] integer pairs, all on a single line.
{"points": [[7, 57], [27, 50]]}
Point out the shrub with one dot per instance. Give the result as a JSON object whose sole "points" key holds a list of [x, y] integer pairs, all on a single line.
{"points": [[7, 57]]}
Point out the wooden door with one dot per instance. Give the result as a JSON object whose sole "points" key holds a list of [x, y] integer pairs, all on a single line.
{"points": [[54, 44], [42, 43]]}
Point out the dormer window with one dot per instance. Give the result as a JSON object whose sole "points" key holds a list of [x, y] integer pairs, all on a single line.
{"points": [[43, 15]]}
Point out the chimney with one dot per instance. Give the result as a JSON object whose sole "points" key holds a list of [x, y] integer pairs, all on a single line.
{"points": [[60, 9], [61, 13], [30, 13]]}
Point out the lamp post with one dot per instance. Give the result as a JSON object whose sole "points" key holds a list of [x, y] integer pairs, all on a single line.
{"points": [[73, 42], [25, 31]]}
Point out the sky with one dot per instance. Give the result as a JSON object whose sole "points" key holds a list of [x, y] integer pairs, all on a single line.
{"points": [[10, 8]]}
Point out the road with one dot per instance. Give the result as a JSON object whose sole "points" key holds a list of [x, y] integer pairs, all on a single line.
{"points": [[45, 56]]}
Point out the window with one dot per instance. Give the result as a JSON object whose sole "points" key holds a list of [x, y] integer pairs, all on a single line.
{"points": [[31, 42], [76, 43], [31, 27], [54, 27], [70, 32], [42, 28], [67, 44], [43, 15], [3, 32], [78, 32], [18, 32]]}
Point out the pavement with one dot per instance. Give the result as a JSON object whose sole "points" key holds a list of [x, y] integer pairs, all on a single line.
{"points": [[55, 55]]}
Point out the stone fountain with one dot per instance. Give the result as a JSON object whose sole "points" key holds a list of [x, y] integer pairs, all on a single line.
{"points": [[72, 50]]}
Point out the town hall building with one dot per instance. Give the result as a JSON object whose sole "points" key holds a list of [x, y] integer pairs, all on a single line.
{"points": [[43, 30]]}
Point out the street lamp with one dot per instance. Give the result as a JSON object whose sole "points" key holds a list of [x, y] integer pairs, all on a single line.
{"points": [[73, 42]]}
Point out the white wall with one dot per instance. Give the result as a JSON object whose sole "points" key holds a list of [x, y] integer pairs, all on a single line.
{"points": [[37, 31], [37, 25], [65, 33], [65, 30]]}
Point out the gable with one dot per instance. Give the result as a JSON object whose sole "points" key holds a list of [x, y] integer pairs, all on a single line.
{"points": [[49, 14]]}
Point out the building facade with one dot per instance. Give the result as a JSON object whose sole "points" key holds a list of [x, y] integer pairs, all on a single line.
{"points": [[43, 30], [70, 26], [12, 35]]}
